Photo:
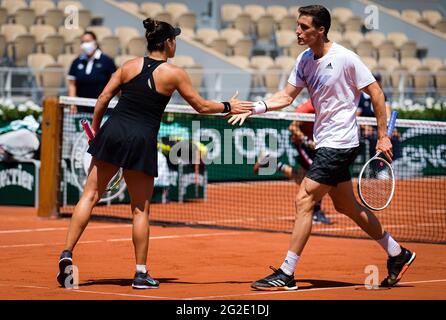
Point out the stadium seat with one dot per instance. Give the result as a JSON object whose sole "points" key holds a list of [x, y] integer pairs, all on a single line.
{"points": [[2, 47], [346, 43], [125, 34], [422, 81], [397, 75], [261, 62], [433, 63], [243, 22], [387, 49], [265, 27], [376, 37], [65, 3], [411, 15], [243, 47], [136, 47], [354, 37], [41, 31], [11, 31], [100, 31], [255, 11], [273, 77], [412, 64], [187, 33], [285, 39], [186, 20], [37, 61], [398, 38], [120, 60], [110, 45], [277, 11], [70, 34], [295, 50], [388, 63], [294, 11], [288, 22], [164, 16], [85, 17], [336, 25], [241, 61], [354, 23], [13, 5], [176, 9], [342, 14], [74, 46], [129, 6], [196, 74], [231, 35], [219, 44], [54, 45], [206, 35], [228, 13], [3, 16], [370, 62], [365, 48], [23, 45], [441, 25], [150, 9], [432, 16], [286, 63], [52, 77], [25, 17], [408, 49], [54, 17], [332, 35], [183, 61], [40, 7], [66, 60], [440, 81]]}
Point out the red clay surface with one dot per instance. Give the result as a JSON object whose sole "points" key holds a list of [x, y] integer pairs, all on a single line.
{"points": [[198, 264]]}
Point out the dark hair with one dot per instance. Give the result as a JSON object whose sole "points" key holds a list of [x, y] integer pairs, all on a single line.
{"points": [[92, 34], [157, 32], [321, 16]]}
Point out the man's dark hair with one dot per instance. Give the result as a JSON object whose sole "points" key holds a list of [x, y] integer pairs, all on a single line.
{"points": [[321, 16]]}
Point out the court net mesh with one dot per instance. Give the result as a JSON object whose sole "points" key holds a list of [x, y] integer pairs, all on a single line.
{"points": [[206, 174]]}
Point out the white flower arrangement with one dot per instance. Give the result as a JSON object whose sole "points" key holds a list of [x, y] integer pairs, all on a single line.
{"points": [[10, 112]]}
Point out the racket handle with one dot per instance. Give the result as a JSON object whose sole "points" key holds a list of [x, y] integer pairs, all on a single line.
{"points": [[87, 129], [392, 123]]}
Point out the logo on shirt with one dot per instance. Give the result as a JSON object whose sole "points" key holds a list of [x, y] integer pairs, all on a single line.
{"points": [[329, 66], [80, 66]]}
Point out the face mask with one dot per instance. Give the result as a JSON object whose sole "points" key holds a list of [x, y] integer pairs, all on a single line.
{"points": [[89, 47]]}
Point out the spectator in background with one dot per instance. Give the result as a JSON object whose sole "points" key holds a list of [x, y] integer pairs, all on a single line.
{"points": [[365, 109], [90, 72]]}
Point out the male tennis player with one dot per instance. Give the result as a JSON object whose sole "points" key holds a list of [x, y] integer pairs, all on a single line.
{"points": [[334, 77]]}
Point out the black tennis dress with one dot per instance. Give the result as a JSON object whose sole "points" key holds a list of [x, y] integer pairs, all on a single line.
{"points": [[128, 138]]}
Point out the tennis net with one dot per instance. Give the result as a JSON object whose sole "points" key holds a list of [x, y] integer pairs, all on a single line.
{"points": [[206, 174]]}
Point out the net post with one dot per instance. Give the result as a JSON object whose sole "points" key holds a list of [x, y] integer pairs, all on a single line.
{"points": [[49, 178]]}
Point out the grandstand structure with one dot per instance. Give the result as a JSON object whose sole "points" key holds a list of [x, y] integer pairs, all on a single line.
{"points": [[249, 46]]}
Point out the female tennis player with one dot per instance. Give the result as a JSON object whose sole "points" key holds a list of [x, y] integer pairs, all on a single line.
{"points": [[334, 77], [129, 139]]}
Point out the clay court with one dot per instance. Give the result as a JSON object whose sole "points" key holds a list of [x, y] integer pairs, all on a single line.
{"points": [[198, 264]]}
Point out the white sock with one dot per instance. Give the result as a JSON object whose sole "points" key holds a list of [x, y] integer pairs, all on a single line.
{"points": [[390, 245], [141, 268], [290, 263]]}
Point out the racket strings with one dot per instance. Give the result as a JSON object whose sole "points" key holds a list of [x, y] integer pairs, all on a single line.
{"points": [[376, 183]]}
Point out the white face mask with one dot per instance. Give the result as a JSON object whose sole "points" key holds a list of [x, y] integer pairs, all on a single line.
{"points": [[89, 47]]}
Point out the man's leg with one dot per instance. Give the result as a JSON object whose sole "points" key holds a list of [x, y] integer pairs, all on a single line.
{"points": [[400, 258], [309, 193]]}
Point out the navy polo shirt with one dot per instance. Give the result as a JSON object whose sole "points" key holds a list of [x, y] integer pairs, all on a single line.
{"points": [[91, 76], [365, 105]]}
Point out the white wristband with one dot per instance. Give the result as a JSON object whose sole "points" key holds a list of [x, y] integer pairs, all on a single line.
{"points": [[259, 107]]}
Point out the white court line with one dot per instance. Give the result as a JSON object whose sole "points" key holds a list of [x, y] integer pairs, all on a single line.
{"points": [[61, 229], [258, 293], [126, 239]]}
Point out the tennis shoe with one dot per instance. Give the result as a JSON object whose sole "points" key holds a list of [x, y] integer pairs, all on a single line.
{"points": [[319, 217], [277, 281], [262, 162], [65, 260], [397, 266], [144, 281]]}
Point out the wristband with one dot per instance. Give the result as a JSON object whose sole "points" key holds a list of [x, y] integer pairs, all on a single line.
{"points": [[259, 107], [227, 107]]}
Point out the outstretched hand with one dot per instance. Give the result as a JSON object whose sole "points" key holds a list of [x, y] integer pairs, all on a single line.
{"points": [[234, 119], [238, 107]]}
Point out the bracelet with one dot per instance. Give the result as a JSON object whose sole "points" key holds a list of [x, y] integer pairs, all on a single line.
{"points": [[227, 107], [259, 107]]}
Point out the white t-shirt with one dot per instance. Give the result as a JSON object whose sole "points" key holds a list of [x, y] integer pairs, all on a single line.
{"points": [[334, 82]]}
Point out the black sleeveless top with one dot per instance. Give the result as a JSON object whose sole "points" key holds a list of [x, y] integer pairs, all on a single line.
{"points": [[128, 139]]}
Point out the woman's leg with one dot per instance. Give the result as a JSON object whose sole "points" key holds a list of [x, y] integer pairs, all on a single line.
{"points": [[100, 174], [140, 187]]}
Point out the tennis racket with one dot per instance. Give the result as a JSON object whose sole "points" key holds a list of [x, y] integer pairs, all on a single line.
{"points": [[117, 178], [376, 183]]}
